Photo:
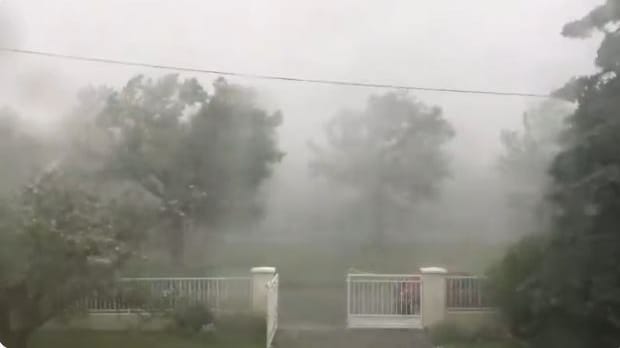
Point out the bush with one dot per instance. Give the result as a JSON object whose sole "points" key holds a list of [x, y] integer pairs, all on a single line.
{"points": [[513, 285], [192, 318]]}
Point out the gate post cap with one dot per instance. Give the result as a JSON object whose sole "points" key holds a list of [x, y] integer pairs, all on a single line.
{"points": [[433, 270], [263, 270]]}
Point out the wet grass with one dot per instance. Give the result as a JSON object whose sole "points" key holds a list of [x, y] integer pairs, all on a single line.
{"points": [[484, 345], [102, 339]]}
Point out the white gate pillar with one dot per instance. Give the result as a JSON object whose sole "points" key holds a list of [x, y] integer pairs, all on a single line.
{"points": [[260, 277], [433, 299]]}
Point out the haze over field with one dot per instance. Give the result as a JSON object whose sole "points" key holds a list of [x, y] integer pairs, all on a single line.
{"points": [[349, 144]]}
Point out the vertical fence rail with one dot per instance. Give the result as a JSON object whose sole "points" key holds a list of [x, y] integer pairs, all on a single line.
{"points": [[272, 309], [383, 301], [466, 293], [140, 294]]}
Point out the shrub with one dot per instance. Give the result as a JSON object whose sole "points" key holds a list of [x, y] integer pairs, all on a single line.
{"points": [[192, 318], [513, 285]]}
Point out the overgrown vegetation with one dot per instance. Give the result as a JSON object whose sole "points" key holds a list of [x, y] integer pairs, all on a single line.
{"points": [[560, 289], [59, 244], [524, 165], [192, 318], [131, 172], [201, 157]]}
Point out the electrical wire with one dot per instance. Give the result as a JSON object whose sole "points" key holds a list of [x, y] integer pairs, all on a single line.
{"points": [[269, 77]]}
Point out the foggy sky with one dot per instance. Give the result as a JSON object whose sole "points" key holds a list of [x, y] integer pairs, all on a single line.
{"points": [[475, 44]]}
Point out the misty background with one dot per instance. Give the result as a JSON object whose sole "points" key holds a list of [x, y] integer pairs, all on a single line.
{"points": [[481, 44]]}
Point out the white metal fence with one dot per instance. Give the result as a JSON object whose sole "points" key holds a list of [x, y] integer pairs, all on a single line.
{"points": [[272, 309], [139, 294], [383, 301], [466, 293]]}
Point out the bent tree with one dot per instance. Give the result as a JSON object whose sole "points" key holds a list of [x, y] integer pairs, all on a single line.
{"points": [[59, 243], [562, 288], [202, 156]]}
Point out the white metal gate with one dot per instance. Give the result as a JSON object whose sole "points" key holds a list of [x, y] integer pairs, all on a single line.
{"points": [[272, 309], [231, 294], [383, 301]]}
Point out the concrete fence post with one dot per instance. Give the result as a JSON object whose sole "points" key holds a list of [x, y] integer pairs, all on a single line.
{"points": [[260, 277], [433, 301]]}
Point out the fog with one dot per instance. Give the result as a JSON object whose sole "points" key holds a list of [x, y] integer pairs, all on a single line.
{"points": [[370, 153], [478, 44]]}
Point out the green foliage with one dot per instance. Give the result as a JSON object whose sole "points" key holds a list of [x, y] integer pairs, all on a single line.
{"points": [[601, 18], [202, 157], [527, 153], [524, 164], [391, 154], [192, 318], [60, 244], [510, 282], [86, 146], [565, 291], [582, 278], [19, 148]]}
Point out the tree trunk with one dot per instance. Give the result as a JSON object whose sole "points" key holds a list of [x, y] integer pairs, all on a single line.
{"points": [[16, 330], [9, 336], [378, 214], [176, 242]]}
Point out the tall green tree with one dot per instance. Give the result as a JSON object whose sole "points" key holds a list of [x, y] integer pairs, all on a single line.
{"points": [[22, 152], [524, 163], [391, 154], [571, 294], [80, 140], [202, 156], [58, 244]]}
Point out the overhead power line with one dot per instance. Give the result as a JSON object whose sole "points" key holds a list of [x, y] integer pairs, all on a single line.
{"points": [[269, 77]]}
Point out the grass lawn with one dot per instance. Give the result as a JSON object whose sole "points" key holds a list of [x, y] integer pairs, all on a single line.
{"points": [[482, 345], [99, 339]]}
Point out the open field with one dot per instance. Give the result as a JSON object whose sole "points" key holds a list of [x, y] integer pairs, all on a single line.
{"points": [[327, 264]]}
